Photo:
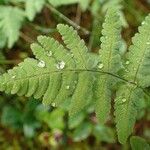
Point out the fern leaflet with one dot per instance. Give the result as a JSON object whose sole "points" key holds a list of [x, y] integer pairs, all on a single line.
{"points": [[109, 62], [137, 68]]}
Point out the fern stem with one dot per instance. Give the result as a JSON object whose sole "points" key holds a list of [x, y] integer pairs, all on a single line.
{"points": [[78, 15], [26, 38], [84, 70], [85, 31]]}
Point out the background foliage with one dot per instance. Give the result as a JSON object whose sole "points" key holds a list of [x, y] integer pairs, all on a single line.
{"points": [[26, 123]]}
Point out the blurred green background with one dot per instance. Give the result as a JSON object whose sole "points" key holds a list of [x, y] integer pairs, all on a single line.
{"points": [[25, 124]]}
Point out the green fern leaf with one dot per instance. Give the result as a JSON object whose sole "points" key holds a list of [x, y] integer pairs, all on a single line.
{"points": [[138, 56], [11, 19], [83, 61], [138, 143], [59, 73], [56, 74], [75, 44], [136, 72], [126, 107], [109, 62]]}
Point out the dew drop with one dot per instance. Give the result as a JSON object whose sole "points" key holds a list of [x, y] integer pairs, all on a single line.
{"points": [[67, 87], [13, 77], [49, 53], [124, 100], [148, 43], [134, 69], [53, 104], [127, 62], [143, 22], [72, 55], [100, 66], [41, 64], [60, 65]]}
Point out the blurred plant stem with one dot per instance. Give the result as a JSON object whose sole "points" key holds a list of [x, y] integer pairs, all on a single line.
{"points": [[45, 30], [65, 136], [75, 25], [26, 38], [78, 15]]}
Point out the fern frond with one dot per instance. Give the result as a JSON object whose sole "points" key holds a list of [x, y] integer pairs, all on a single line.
{"points": [[126, 107], [58, 54], [71, 73], [109, 62], [83, 61], [56, 74], [136, 72], [139, 56], [75, 44]]}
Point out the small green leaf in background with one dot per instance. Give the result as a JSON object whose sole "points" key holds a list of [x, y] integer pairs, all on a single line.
{"points": [[53, 119], [82, 132], [11, 117], [57, 3], [3, 40], [33, 7], [77, 119], [83, 3], [30, 129], [11, 19], [138, 143], [103, 133]]}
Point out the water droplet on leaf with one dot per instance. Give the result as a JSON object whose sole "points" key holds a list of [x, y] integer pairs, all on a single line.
{"points": [[127, 62], [49, 53], [72, 55], [124, 100], [60, 65], [148, 43], [41, 64], [13, 77], [53, 104], [100, 66], [67, 87]]}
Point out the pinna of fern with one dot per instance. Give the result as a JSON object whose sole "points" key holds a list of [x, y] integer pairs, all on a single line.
{"points": [[59, 73]]}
